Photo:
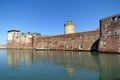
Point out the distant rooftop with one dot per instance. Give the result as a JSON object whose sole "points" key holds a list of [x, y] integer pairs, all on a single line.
{"points": [[68, 22], [13, 31]]}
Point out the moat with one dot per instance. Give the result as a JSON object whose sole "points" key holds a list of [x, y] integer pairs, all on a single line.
{"points": [[58, 65]]}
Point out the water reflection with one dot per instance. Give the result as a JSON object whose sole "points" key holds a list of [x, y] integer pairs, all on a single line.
{"points": [[15, 57], [106, 65]]}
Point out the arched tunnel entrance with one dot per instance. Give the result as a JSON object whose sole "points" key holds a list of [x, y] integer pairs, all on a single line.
{"points": [[95, 46]]}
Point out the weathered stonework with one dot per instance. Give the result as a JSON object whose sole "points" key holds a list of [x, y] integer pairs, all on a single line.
{"points": [[104, 39], [110, 34], [76, 41], [69, 27]]}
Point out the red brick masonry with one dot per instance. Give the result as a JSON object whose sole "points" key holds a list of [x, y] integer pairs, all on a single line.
{"points": [[104, 39]]}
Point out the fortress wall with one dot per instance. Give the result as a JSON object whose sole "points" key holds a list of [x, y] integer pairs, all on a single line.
{"points": [[9, 44], [28, 41], [104, 39], [75, 41], [109, 44], [110, 34], [21, 42]]}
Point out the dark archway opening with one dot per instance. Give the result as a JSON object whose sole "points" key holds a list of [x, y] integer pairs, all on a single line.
{"points": [[95, 46]]}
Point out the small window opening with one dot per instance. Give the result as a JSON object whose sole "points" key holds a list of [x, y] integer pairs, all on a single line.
{"points": [[104, 45], [115, 33], [80, 46], [114, 19], [118, 17]]}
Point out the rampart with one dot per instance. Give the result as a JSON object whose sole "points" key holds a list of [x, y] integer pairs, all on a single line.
{"points": [[76, 41], [105, 39], [110, 34]]}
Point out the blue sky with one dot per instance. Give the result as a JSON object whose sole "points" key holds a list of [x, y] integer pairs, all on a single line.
{"points": [[48, 16]]}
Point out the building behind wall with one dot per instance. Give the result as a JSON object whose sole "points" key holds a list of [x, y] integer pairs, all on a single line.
{"points": [[105, 39], [69, 27]]}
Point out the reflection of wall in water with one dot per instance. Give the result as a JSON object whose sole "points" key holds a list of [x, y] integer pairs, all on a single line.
{"points": [[107, 65], [15, 57]]}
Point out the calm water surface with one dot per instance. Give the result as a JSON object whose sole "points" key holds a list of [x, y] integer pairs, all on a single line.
{"points": [[58, 65]]}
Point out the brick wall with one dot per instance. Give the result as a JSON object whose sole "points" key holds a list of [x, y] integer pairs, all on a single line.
{"points": [[104, 39], [110, 34], [75, 41]]}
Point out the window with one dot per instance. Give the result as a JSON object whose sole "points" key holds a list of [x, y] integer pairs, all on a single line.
{"points": [[114, 18], [115, 33], [80, 46], [118, 17]]}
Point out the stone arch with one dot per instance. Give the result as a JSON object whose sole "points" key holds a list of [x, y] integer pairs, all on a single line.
{"points": [[95, 46]]}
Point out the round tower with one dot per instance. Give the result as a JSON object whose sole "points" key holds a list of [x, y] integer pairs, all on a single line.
{"points": [[69, 27], [12, 34]]}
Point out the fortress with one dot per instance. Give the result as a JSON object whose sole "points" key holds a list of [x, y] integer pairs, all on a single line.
{"points": [[105, 39]]}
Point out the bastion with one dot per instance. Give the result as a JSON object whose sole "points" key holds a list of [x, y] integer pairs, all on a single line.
{"points": [[104, 39]]}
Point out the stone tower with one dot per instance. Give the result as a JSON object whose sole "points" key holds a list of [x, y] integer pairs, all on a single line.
{"points": [[110, 34], [12, 34], [69, 27]]}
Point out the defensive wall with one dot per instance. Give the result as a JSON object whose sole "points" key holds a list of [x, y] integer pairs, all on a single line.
{"points": [[105, 39], [110, 34], [76, 41]]}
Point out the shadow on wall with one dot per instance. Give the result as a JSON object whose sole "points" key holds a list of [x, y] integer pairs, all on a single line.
{"points": [[95, 45]]}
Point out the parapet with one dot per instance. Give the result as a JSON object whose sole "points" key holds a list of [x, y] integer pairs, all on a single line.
{"points": [[110, 25], [110, 19]]}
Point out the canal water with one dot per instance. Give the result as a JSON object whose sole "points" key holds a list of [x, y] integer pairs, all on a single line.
{"points": [[58, 65]]}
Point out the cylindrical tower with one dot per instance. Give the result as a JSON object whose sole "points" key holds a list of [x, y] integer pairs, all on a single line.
{"points": [[69, 27], [12, 34]]}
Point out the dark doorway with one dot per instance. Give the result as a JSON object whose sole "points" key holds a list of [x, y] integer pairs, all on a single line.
{"points": [[94, 47]]}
